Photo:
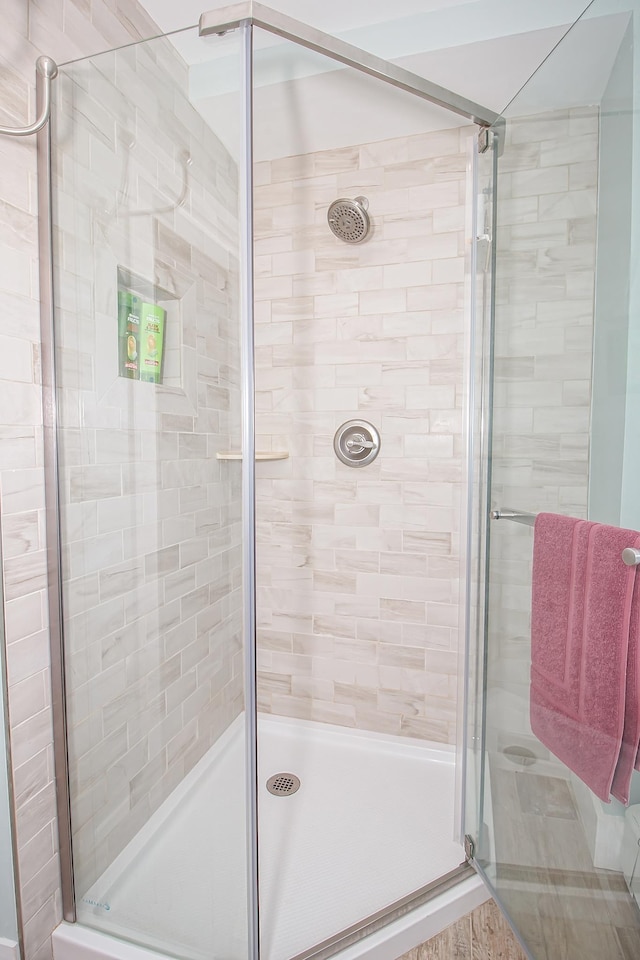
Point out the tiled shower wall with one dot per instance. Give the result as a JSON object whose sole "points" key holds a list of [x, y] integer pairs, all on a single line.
{"points": [[150, 516], [358, 569], [546, 246]]}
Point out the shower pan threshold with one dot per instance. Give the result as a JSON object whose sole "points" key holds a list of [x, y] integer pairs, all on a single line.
{"points": [[346, 846]]}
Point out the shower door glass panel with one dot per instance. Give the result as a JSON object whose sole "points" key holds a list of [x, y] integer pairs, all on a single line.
{"points": [[357, 569], [564, 433], [480, 353], [147, 317]]}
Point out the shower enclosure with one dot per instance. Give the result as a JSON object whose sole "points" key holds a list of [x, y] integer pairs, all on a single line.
{"points": [[290, 692], [259, 641]]}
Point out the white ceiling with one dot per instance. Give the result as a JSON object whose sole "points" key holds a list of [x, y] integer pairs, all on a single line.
{"points": [[485, 50], [339, 16]]}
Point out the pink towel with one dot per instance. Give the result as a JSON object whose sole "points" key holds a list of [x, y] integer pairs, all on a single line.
{"points": [[583, 609], [629, 750]]}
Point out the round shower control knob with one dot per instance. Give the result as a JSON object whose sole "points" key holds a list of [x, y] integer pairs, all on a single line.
{"points": [[356, 443]]}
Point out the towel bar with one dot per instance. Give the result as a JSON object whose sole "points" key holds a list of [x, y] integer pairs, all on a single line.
{"points": [[517, 516], [630, 555]]}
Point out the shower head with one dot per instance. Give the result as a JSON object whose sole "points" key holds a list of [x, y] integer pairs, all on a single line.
{"points": [[349, 219]]}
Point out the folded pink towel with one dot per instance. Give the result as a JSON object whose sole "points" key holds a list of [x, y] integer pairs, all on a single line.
{"points": [[583, 608], [629, 749]]}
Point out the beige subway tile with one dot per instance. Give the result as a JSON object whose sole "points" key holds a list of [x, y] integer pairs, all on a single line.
{"points": [[449, 219], [355, 515], [426, 635], [392, 348], [292, 263], [378, 538], [334, 626], [270, 683], [356, 695], [425, 728], [23, 616], [427, 541], [375, 630], [286, 706], [372, 719], [403, 565], [37, 928], [336, 305], [432, 195], [27, 657], [359, 279], [355, 606], [399, 702], [538, 182], [314, 688], [334, 582], [448, 270], [342, 714], [380, 491], [353, 375], [361, 328], [357, 561], [382, 301], [441, 296], [403, 275], [412, 611], [384, 153]]}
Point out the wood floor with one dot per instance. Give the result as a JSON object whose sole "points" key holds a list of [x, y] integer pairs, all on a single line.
{"points": [[481, 935], [563, 906]]}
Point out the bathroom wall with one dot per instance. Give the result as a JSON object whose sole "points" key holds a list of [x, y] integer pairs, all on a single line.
{"points": [[611, 327], [358, 569], [64, 29], [150, 516], [546, 243]]}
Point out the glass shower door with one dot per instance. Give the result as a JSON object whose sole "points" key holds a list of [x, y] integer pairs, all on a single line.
{"points": [[8, 905], [563, 431], [151, 369]]}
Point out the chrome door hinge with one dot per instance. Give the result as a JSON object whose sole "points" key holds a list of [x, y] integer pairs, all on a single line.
{"points": [[469, 848], [484, 139]]}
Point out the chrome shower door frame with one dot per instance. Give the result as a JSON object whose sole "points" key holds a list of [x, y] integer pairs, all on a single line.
{"points": [[247, 364], [223, 19]]}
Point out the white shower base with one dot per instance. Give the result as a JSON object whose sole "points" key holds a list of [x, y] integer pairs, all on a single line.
{"points": [[371, 823]]}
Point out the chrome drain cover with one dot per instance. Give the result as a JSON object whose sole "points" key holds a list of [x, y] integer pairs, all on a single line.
{"points": [[283, 784]]}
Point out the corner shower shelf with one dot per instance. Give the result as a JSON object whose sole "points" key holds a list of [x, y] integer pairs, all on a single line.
{"points": [[260, 455]]}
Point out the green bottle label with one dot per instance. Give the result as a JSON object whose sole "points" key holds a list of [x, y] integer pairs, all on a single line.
{"points": [[152, 322], [129, 310]]}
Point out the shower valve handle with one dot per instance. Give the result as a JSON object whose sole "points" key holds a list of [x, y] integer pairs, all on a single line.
{"points": [[359, 441]]}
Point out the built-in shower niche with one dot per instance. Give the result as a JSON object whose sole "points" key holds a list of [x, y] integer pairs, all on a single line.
{"points": [[178, 378], [147, 321]]}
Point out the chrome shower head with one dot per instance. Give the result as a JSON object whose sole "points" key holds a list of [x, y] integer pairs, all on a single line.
{"points": [[349, 219]]}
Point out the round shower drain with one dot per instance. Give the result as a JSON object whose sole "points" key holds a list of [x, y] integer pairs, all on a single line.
{"points": [[283, 784], [520, 755]]}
